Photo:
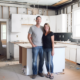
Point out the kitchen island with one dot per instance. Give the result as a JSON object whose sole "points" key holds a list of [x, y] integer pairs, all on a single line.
{"points": [[25, 58]]}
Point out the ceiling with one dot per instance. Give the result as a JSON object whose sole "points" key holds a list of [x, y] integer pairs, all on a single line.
{"points": [[37, 2]]}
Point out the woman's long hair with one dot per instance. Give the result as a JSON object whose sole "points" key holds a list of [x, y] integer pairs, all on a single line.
{"points": [[44, 28]]}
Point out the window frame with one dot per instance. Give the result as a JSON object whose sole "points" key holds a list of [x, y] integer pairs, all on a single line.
{"points": [[73, 24], [3, 32]]}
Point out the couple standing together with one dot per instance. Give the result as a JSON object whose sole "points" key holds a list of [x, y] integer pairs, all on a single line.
{"points": [[42, 41]]}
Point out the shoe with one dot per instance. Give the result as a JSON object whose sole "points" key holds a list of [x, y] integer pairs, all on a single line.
{"points": [[41, 74], [34, 76], [51, 77], [48, 76]]}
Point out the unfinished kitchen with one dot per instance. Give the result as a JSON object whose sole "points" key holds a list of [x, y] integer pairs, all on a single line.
{"points": [[16, 51]]}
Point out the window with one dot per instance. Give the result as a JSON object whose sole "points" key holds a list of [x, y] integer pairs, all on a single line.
{"points": [[3, 31], [76, 23]]}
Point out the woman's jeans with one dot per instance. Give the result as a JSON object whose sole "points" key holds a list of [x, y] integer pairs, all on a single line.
{"points": [[35, 51], [48, 60]]}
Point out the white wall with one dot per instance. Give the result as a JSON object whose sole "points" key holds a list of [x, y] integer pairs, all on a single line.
{"points": [[22, 10], [68, 9], [5, 13], [75, 6], [13, 10]]}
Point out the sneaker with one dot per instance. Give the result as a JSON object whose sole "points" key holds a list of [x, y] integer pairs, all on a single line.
{"points": [[41, 74], [34, 76]]}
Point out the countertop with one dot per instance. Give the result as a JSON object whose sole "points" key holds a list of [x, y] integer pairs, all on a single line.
{"points": [[63, 42], [66, 42], [28, 45], [16, 42]]}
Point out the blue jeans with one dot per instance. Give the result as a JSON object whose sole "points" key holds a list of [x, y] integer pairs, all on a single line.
{"points": [[35, 51], [48, 60]]}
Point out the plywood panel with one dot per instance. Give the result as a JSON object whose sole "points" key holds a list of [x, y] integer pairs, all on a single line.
{"points": [[3, 42], [51, 12], [24, 54], [60, 2], [20, 54]]}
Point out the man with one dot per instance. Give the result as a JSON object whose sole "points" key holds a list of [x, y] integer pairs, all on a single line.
{"points": [[35, 38]]}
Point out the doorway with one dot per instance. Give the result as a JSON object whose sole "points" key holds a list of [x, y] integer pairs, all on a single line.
{"points": [[3, 40]]}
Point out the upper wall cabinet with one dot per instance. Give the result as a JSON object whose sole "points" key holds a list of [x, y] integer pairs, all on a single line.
{"points": [[45, 19], [15, 23], [28, 19], [53, 23], [62, 23]]}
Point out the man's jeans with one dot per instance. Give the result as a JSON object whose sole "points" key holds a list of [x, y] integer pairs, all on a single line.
{"points": [[35, 51]]}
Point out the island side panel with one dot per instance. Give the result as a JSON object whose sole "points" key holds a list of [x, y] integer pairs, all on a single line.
{"points": [[24, 56], [58, 61], [20, 54]]}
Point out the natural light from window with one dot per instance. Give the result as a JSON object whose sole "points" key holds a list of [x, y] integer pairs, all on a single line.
{"points": [[3, 31]]}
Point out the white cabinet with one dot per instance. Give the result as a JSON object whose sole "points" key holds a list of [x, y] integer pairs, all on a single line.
{"points": [[45, 19], [78, 54], [62, 23], [73, 54], [52, 23], [15, 23], [67, 55], [32, 19], [24, 19], [28, 19], [69, 23], [14, 51]]}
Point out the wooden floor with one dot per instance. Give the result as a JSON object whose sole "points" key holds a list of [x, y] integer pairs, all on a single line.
{"points": [[12, 70]]}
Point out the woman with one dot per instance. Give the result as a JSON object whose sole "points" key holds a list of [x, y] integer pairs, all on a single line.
{"points": [[48, 46]]}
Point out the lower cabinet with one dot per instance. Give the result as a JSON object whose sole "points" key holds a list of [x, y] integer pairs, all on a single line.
{"points": [[73, 55], [14, 51], [78, 54], [67, 53]]}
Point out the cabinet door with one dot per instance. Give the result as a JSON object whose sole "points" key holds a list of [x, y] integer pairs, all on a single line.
{"points": [[52, 23], [78, 55], [16, 52], [67, 54], [59, 23], [15, 23], [45, 19], [69, 23], [62, 23], [24, 19], [73, 54]]}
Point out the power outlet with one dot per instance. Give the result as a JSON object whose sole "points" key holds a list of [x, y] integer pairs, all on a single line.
{"points": [[16, 35]]}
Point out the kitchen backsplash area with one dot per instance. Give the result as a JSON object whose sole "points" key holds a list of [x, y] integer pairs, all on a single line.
{"points": [[64, 37]]}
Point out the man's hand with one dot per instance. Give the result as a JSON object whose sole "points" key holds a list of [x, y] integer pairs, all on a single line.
{"points": [[52, 53], [33, 45]]}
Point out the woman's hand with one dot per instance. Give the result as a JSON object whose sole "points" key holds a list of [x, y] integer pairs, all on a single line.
{"points": [[52, 53]]}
